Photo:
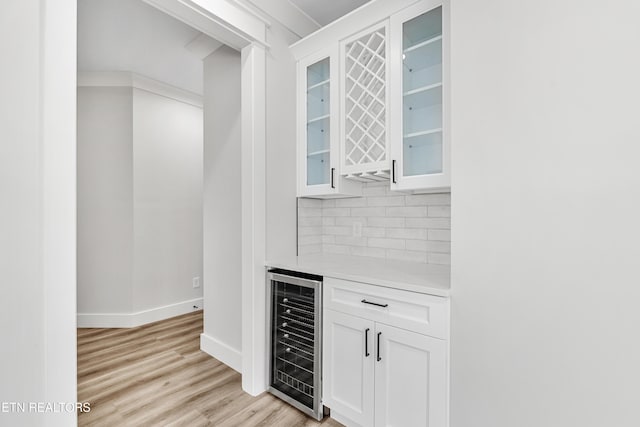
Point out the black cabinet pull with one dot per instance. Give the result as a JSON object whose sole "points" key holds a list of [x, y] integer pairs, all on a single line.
{"points": [[364, 301], [332, 179], [393, 171], [366, 342], [379, 358]]}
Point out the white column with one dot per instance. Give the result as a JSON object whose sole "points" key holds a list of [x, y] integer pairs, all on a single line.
{"points": [[253, 219], [58, 111]]}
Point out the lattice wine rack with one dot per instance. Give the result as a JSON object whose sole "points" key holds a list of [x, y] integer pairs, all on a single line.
{"points": [[365, 107]]}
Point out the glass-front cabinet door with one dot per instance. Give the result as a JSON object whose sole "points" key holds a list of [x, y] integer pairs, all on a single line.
{"points": [[317, 126], [318, 123], [419, 135]]}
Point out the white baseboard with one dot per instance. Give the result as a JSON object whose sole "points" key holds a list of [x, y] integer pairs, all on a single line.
{"points": [[131, 320], [221, 351], [342, 419]]}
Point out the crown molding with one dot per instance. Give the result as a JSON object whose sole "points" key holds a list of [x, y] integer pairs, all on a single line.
{"points": [[371, 12], [129, 79]]}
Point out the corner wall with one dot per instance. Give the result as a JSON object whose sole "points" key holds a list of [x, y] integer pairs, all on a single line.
{"points": [[139, 200], [281, 208], [222, 207], [222, 336], [167, 200]]}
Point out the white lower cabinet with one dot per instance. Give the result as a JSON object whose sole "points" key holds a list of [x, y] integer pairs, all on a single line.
{"points": [[348, 369], [410, 379], [375, 374]]}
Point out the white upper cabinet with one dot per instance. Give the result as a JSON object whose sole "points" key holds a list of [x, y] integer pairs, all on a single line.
{"points": [[418, 124], [373, 100], [318, 144]]}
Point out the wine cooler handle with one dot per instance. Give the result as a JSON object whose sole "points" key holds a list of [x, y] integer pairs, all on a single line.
{"points": [[379, 358], [366, 342]]}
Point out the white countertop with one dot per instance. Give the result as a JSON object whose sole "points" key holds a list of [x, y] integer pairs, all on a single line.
{"points": [[416, 277]]}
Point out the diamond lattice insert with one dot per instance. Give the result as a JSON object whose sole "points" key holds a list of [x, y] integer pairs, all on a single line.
{"points": [[365, 83]]}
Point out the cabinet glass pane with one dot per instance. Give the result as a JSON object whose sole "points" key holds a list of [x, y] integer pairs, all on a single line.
{"points": [[422, 154], [318, 169], [422, 111], [422, 94], [318, 73], [318, 122]]}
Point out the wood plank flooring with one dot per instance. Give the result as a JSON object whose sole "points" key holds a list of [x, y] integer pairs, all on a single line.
{"points": [[156, 375]]}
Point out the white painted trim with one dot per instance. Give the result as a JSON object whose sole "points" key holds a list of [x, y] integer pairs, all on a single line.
{"points": [[368, 14], [104, 320], [342, 419], [131, 320], [253, 95], [221, 20], [202, 45], [57, 35], [129, 79], [288, 14], [254, 10], [221, 351]]}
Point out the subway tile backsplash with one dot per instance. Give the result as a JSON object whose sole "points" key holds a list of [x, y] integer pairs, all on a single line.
{"points": [[381, 224]]}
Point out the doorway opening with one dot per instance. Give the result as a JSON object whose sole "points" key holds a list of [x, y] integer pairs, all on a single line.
{"points": [[142, 178]]}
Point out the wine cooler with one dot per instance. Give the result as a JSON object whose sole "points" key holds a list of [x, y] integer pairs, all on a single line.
{"points": [[295, 337]]}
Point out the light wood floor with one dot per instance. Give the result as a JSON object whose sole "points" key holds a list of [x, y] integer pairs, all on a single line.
{"points": [[156, 375]]}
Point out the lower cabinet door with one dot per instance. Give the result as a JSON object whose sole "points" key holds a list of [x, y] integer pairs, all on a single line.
{"points": [[411, 379], [348, 367]]}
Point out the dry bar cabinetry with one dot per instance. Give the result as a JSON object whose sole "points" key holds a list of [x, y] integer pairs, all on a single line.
{"points": [[385, 355], [373, 100]]}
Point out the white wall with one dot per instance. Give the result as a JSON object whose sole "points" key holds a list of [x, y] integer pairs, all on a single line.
{"points": [[167, 194], [37, 189], [222, 203], [222, 207], [546, 201], [281, 145], [139, 201], [105, 199], [22, 367]]}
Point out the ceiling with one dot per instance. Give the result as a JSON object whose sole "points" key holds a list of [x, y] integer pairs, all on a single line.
{"points": [[130, 35], [326, 11]]}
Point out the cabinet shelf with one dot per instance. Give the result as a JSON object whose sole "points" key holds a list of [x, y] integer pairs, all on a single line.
{"points": [[422, 89], [422, 133], [318, 119], [317, 153], [422, 44], [424, 58], [322, 83], [421, 99]]}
